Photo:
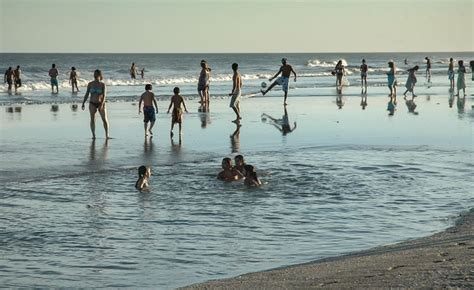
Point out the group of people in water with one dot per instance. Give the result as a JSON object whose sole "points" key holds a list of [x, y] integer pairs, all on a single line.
{"points": [[230, 172], [340, 71]]}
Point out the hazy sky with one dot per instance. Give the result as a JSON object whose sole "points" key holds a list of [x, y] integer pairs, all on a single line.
{"points": [[236, 25]]}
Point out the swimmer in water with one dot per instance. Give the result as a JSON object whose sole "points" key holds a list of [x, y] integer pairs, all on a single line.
{"points": [[228, 173], [251, 178], [144, 174]]}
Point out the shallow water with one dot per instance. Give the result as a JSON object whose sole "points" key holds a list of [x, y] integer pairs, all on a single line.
{"points": [[344, 180]]}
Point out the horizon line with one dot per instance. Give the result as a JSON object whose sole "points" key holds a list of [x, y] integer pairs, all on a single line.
{"points": [[337, 52]]}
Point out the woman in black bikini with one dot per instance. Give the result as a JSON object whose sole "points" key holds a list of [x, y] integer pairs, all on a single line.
{"points": [[97, 90]]}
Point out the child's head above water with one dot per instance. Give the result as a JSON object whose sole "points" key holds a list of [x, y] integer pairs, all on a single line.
{"points": [[226, 163], [239, 160], [144, 171]]}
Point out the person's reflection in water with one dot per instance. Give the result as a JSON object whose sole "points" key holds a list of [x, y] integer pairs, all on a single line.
{"points": [[339, 101], [451, 98], [391, 107], [460, 104], [148, 147], [283, 124], [176, 147], [101, 156], [363, 101], [235, 139], [74, 107], [410, 103], [204, 115]]}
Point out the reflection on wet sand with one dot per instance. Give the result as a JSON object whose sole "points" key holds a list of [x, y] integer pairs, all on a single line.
{"points": [[204, 115], [95, 155], [411, 106], [283, 124], [235, 139], [363, 100]]}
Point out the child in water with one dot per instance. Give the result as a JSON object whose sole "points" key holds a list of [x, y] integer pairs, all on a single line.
{"points": [[228, 173], [144, 174], [239, 164], [251, 178]]}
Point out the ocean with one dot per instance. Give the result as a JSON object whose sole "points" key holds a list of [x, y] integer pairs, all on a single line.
{"points": [[344, 180]]}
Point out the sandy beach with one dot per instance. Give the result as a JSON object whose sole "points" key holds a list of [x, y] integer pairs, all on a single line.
{"points": [[443, 260]]}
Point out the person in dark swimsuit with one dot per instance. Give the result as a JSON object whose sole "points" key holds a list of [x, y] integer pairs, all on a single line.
{"points": [[97, 91]]}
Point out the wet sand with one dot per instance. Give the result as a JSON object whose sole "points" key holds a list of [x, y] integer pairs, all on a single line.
{"points": [[443, 260]]}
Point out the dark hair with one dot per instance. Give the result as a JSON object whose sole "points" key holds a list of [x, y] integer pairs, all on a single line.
{"points": [[17, 66], [391, 64], [451, 59], [141, 171], [73, 68], [235, 66], [176, 90], [53, 65], [227, 160], [363, 60], [148, 87], [239, 157], [461, 62], [416, 67], [203, 63], [251, 170], [471, 63], [98, 73]]}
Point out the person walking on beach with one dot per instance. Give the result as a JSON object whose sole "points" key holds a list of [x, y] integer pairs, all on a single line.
{"points": [[363, 75], [53, 74], [177, 116], [97, 91], [283, 81], [411, 81], [236, 92], [73, 79], [17, 77], [8, 78], [428, 69], [149, 115], [133, 71], [204, 82], [451, 73], [461, 83], [392, 81], [339, 71]]}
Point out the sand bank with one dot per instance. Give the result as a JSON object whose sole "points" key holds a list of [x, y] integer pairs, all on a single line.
{"points": [[442, 260]]}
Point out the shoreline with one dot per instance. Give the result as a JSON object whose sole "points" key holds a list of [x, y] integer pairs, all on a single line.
{"points": [[437, 261]]}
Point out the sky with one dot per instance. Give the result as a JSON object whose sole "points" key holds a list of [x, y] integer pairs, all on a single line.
{"points": [[233, 26]]}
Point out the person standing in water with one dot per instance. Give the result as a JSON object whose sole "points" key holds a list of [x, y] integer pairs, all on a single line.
{"points": [[8, 78], [471, 64], [451, 73], [97, 91], [73, 79], [177, 116], [53, 74], [142, 73], [133, 71], [339, 71], [236, 92], [204, 82], [392, 81], [17, 76], [461, 83], [283, 81], [149, 113], [411, 81], [428, 69], [363, 75]]}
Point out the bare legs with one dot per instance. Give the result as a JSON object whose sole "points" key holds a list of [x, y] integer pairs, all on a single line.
{"points": [[103, 115]]}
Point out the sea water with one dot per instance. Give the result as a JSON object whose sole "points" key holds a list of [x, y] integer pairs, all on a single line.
{"points": [[344, 180]]}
